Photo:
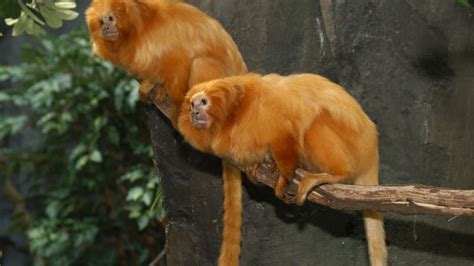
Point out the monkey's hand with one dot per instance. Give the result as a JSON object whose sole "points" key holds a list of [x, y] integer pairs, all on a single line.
{"points": [[281, 190]]}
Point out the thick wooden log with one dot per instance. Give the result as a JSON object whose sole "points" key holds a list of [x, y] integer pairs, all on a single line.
{"points": [[403, 199]]}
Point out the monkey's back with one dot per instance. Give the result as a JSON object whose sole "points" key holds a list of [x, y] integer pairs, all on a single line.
{"points": [[341, 139], [332, 131]]}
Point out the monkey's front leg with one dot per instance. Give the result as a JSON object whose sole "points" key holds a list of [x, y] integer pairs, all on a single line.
{"points": [[176, 93], [286, 159]]}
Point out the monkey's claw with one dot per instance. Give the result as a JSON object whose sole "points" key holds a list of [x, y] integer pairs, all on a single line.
{"points": [[284, 192], [290, 193]]}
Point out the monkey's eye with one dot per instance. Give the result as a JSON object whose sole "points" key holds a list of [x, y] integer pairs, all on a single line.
{"points": [[101, 22], [192, 104], [204, 101], [111, 18]]}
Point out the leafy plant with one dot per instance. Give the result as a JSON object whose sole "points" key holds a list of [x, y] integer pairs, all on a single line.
{"points": [[465, 3], [88, 159], [31, 16]]}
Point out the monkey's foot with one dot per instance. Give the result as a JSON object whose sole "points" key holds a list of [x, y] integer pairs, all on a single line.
{"points": [[281, 188], [310, 181], [290, 193]]}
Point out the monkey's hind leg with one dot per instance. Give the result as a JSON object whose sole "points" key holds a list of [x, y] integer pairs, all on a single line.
{"points": [[310, 181], [286, 160]]}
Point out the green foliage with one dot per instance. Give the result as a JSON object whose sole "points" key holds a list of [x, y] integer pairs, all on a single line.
{"points": [[30, 17], [465, 3], [9, 8], [89, 161]]}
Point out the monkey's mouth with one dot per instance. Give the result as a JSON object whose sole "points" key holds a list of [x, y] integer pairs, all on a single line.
{"points": [[110, 35], [200, 120]]}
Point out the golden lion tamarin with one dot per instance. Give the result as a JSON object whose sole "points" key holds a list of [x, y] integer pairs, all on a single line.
{"points": [[176, 45], [163, 41], [300, 120]]}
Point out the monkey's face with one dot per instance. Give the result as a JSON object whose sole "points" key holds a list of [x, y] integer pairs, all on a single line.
{"points": [[108, 27], [113, 19], [102, 20], [200, 105]]}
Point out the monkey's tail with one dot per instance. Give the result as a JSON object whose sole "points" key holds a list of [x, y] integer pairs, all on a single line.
{"points": [[373, 222], [375, 235], [230, 248]]}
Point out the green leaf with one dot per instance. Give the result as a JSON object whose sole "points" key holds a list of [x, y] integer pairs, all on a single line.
{"points": [[134, 193], [67, 14], [12, 125], [10, 21], [81, 162], [99, 122], [80, 149], [36, 232], [65, 5], [146, 198], [52, 19], [133, 175], [46, 118], [133, 97], [4, 97], [96, 156], [52, 209], [37, 29], [143, 222], [20, 26], [160, 214], [18, 123], [29, 26], [134, 214]]}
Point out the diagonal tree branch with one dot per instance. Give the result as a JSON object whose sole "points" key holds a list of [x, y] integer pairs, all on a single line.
{"points": [[403, 199]]}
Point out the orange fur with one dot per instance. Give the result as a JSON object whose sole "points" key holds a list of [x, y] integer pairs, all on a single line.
{"points": [[174, 44], [165, 42], [300, 120]]}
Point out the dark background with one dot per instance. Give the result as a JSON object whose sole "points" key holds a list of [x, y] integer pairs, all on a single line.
{"points": [[410, 64]]}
